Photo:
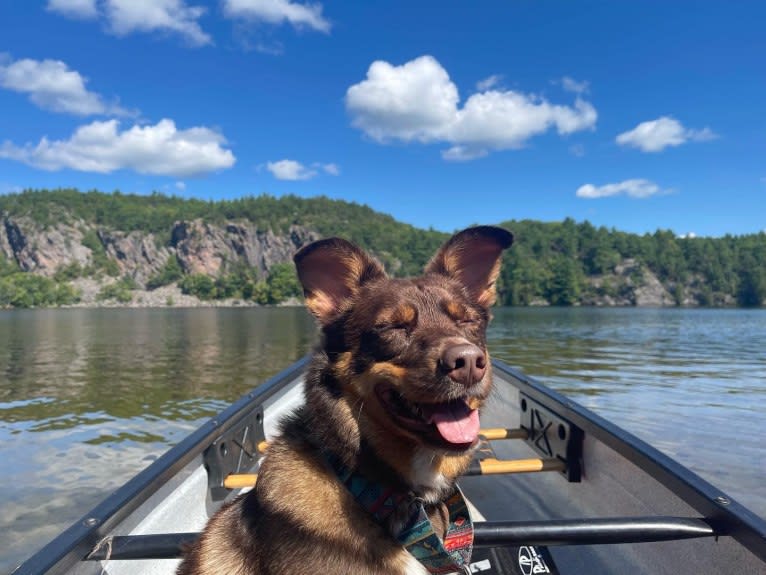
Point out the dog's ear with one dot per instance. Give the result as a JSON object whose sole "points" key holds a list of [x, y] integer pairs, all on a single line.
{"points": [[473, 258], [332, 271]]}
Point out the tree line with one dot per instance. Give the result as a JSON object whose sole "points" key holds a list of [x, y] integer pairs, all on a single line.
{"points": [[557, 263]]}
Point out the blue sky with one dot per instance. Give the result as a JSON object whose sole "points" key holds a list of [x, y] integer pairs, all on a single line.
{"points": [[633, 115]]}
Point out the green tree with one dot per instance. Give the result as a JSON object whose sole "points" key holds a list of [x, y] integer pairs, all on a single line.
{"points": [[283, 283], [564, 288], [170, 273], [199, 285]]}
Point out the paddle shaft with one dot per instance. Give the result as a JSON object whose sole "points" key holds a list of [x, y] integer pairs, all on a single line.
{"points": [[486, 534]]}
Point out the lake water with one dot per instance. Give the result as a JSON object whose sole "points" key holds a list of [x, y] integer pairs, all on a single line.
{"points": [[90, 397]]}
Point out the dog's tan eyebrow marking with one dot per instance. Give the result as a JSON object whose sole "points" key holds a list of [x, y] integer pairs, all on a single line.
{"points": [[404, 314], [386, 368], [455, 310]]}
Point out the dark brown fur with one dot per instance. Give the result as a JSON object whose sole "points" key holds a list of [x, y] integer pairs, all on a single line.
{"points": [[377, 331]]}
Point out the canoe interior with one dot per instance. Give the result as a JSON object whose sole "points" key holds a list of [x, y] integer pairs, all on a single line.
{"points": [[616, 482], [621, 477]]}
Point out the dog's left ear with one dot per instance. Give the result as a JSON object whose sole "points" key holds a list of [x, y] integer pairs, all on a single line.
{"points": [[331, 272], [473, 258]]}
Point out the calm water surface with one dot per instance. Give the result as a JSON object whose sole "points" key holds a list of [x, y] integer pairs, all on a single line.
{"points": [[90, 397]]}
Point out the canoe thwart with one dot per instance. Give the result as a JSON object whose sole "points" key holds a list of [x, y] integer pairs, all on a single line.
{"points": [[552, 436], [503, 433], [496, 466], [240, 480], [610, 530], [477, 467]]}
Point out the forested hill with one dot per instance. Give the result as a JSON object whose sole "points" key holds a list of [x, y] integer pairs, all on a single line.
{"points": [[65, 246]]}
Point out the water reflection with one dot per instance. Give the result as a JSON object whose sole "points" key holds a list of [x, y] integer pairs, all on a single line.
{"points": [[90, 397]]}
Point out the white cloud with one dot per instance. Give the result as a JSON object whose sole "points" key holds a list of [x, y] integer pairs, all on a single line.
{"points": [[636, 188], [332, 169], [74, 8], [417, 101], [489, 82], [180, 185], [99, 147], [278, 12], [294, 171], [572, 85], [125, 17], [51, 85], [414, 101], [656, 135], [128, 16]]}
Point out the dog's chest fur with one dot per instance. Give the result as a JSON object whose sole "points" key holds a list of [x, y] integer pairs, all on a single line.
{"points": [[427, 476]]}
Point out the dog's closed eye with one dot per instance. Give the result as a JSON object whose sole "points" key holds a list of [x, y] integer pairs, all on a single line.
{"points": [[389, 327]]}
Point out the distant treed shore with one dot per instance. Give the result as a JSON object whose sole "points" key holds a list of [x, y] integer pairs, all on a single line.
{"points": [[66, 247]]}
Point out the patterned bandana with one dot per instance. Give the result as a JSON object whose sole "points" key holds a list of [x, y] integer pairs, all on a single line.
{"points": [[417, 535]]}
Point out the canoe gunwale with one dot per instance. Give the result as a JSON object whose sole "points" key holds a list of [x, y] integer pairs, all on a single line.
{"points": [[72, 545], [723, 513]]}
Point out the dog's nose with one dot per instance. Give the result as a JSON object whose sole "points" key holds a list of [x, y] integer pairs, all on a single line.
{"points": [[465, 363]]}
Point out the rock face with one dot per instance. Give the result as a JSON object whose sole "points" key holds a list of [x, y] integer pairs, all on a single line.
{"points": [[652, 293], [137, 255], [631, 284], [200, 247], [209, 249], [42, 250]]}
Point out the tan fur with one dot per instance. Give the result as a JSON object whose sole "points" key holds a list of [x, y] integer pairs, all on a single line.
{"points": [[319, 303]]}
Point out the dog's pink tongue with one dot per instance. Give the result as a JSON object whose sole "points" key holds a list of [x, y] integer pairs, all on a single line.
{"points": [[456, 422]]}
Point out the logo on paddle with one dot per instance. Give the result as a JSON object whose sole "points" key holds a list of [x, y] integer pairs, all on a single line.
{"points": [[531, 562]]}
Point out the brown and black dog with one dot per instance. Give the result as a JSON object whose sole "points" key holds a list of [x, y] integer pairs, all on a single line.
{"points": [[393, 394]]}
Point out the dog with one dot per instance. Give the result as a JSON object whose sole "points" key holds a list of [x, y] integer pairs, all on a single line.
{"points": [[392, 400]]}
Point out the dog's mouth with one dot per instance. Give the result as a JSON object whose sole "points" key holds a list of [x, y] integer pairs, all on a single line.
{"points": [[450, 424]]}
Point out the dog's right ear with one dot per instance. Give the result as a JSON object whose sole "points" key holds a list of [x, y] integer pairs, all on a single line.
{"points": [[332, 271]]}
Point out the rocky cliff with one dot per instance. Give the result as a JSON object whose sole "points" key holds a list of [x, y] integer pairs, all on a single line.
{"points": [[100, 255]]}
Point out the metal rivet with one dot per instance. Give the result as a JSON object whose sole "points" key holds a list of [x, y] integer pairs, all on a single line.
{"points": [[90, 521], [721, 500]]}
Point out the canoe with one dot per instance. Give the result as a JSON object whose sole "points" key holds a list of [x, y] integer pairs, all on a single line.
{"points": [[554, 488]]}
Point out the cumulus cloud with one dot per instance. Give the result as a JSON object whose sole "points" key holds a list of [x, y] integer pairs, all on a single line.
{"points": [[51, 85], [100, 147], [278, 12], [656, 135], [417, 101], [636, 188], [124, 17], [85, 9], [294, 171]]}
